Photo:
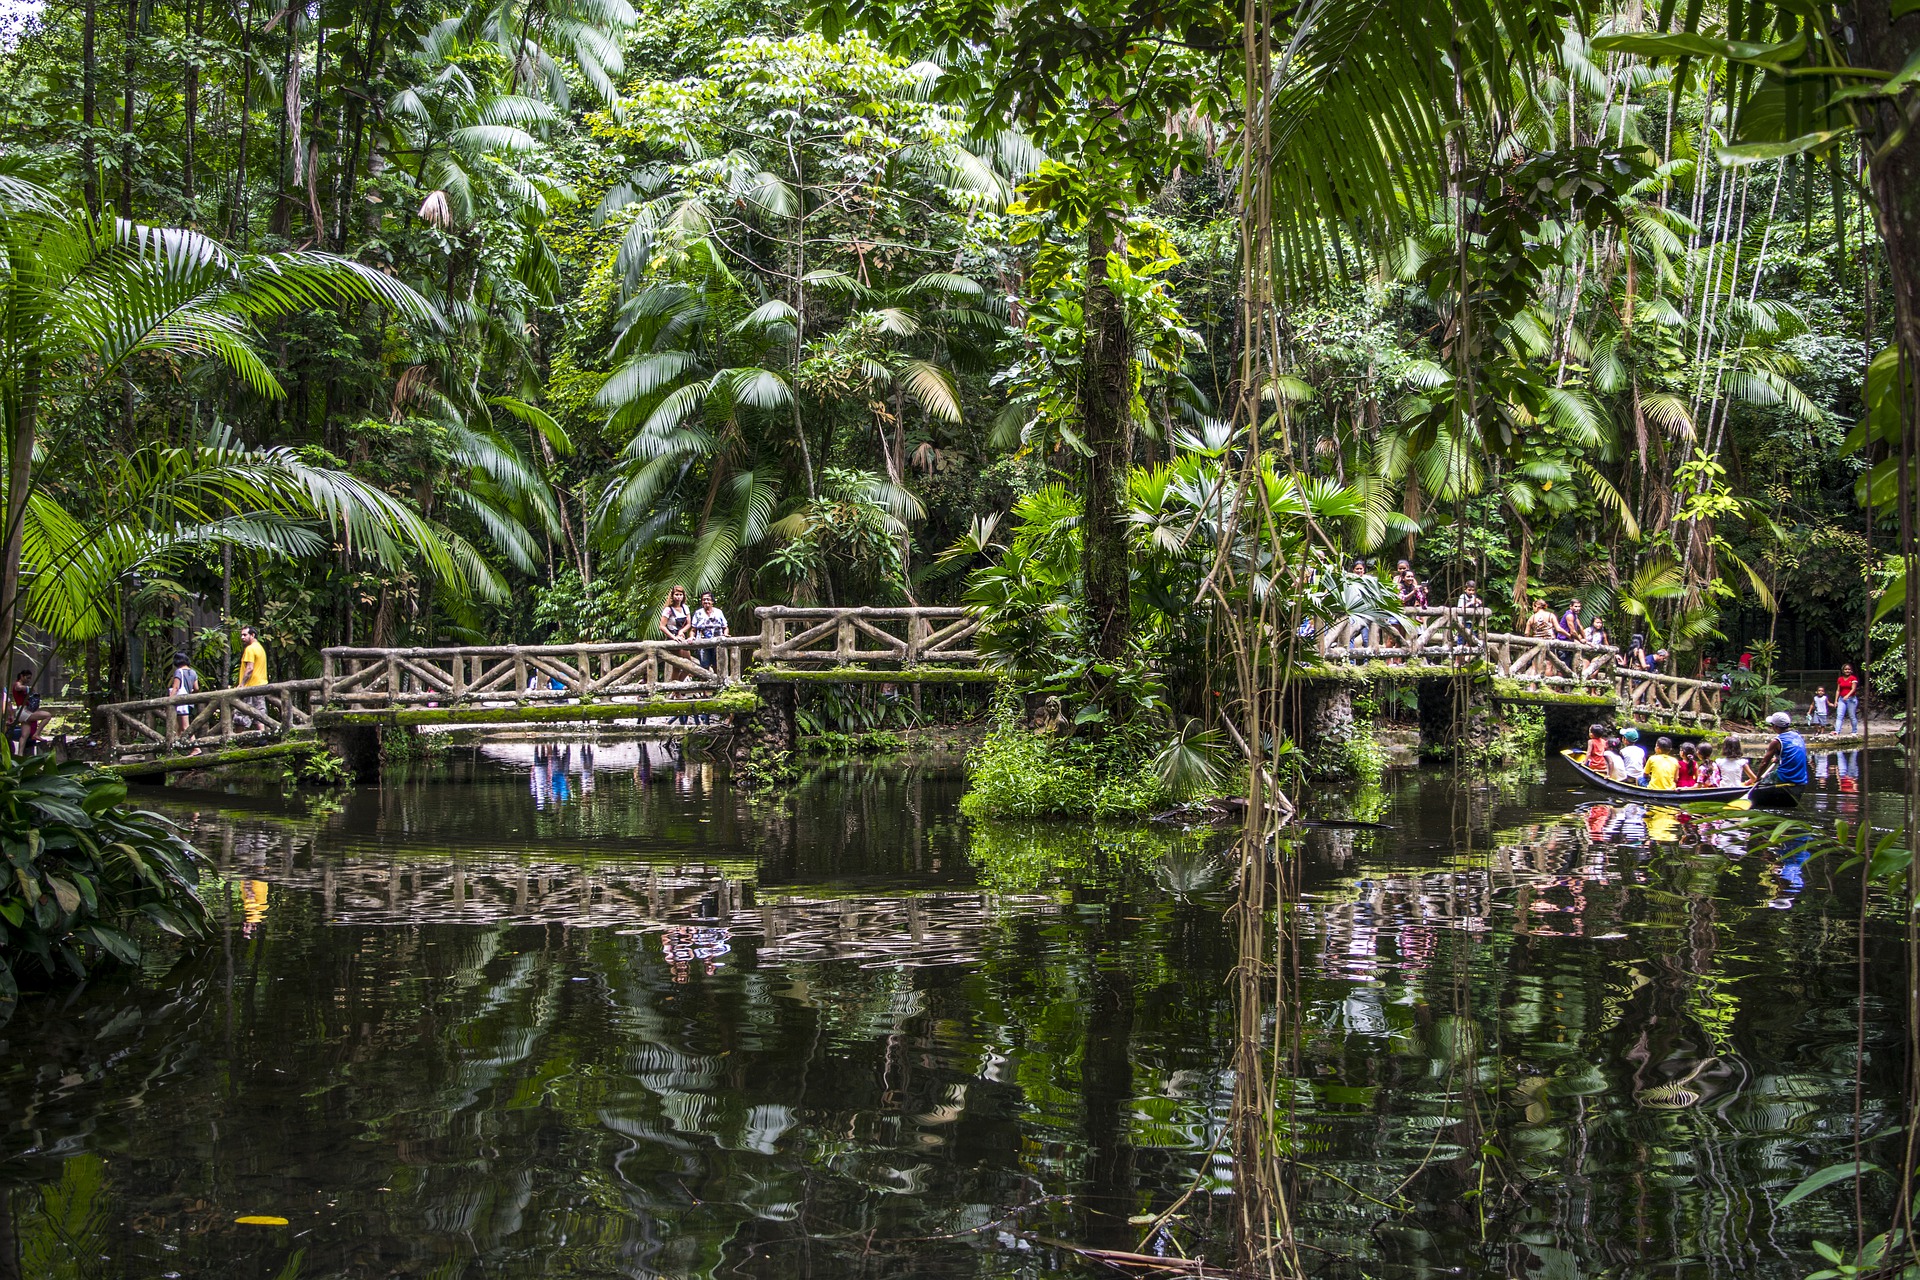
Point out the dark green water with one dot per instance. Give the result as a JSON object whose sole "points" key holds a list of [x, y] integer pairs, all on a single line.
{"points": [[571, 1017]]}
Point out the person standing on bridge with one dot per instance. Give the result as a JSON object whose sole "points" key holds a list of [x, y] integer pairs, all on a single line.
{"points": [[1540, 623], [253, 672], [1568, 627], [184, 682], [1465, 635], [709, 624]]}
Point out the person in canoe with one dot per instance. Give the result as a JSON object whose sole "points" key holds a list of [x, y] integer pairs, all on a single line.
{"points": [[1663, 767], [1731, 769], [1787, 751], [1597, 748]]}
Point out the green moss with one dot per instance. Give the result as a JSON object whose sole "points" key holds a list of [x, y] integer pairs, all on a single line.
{"points": [[733, 702], [1505, 690], [871, 675], [211, 759], [1379, 670]]}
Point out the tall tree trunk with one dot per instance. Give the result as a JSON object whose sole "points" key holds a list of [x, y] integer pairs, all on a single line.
{"points": [[1887, 45], [359, 112], [190, 104], [129, 64], [1106, 396], [89, 166], [19, 482]]}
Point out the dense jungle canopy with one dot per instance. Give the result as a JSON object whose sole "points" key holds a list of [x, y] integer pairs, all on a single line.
{"points": [[427, 322]]}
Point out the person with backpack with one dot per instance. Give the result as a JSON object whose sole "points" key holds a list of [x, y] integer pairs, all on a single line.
{"points": [[183, 682]]}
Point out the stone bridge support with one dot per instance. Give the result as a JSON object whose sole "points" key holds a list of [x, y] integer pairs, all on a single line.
{"points": [[357, 745]]}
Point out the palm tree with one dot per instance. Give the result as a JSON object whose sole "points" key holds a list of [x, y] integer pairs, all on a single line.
{"points": [[83, 296]]}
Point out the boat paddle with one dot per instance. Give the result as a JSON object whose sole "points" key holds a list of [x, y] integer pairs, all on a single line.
{"points": [[1746, 801]]}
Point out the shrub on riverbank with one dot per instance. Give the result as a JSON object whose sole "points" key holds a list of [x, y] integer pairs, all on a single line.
{"points": [[85, 875], [1016, 773]]}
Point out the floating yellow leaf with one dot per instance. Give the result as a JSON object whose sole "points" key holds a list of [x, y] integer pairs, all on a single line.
{"points": [[261, 1220]]}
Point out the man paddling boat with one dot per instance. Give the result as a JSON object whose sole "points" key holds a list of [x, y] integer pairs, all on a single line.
{"points": [[1788, 750]]}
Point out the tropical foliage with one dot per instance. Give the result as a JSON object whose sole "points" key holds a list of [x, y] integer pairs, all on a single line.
{"points": [[88, 879]]}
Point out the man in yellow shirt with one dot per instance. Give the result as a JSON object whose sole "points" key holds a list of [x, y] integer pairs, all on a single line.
{"points": [[1663, 766], [253, 671]]}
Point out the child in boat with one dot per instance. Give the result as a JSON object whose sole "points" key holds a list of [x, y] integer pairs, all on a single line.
{"points": [[1688, 772], [1597, 748], [1732, 769], [1634, 754], [1616, 764], [1663, 767]]}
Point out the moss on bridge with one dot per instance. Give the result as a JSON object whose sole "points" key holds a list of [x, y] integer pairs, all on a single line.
{"points": [[1506, 690], [212, 759], [735, 701], [1380, 670]]}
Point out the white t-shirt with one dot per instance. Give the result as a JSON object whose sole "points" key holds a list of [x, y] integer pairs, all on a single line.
{"points": [[1731, 771], [1617, 768], [708, 623], [1635, 757], [1820, 704]]}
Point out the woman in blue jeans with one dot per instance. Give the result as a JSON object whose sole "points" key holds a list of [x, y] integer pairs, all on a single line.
{"points": [[1848, 702]]}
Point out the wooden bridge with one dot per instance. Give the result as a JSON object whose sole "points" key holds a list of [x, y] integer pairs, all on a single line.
{"points": [[637, 680], [1440, 639]]}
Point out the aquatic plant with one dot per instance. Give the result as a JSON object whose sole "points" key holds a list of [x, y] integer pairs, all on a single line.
{"points": [[88, 875]]}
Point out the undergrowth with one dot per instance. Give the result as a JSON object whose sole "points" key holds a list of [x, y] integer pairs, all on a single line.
{"points": [[1016, 773]]}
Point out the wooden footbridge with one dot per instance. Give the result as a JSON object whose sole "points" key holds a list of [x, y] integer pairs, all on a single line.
{"points": [[503, 685]]}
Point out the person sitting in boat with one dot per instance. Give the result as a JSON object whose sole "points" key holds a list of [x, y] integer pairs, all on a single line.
{"points": [[1597, 748], [1688, 773], [1663, 767], [1634, 754], [1788, 751], [1616, 763], [1732, 769]]}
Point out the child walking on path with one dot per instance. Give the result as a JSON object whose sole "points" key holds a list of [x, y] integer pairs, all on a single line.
{"points": [[1817, 712]]}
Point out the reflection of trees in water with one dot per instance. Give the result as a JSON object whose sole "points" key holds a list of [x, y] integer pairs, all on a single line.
{"points": [[545, 1098], [1654, 1045]]}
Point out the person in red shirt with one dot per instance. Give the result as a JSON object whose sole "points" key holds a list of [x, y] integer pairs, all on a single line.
{"points": [[1597, 748], [1847, 693]]}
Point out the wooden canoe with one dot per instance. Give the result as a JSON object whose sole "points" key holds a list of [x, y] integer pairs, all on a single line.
{"points": [[1770, 796]]}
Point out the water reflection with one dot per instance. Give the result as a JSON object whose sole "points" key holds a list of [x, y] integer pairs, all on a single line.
{"points": [[474, 1023]]}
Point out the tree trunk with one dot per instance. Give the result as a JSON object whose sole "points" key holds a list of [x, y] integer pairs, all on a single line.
{"points": [[1887, 45], [89, 167], [190, 104], [129, 64], [1106, 399], [19, 482]]}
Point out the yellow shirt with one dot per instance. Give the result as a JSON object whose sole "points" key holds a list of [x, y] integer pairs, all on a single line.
{"points": [[1662, 772], [257, 672]]}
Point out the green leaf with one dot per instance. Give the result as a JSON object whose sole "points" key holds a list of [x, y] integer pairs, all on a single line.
{"points": [[1757, 152], [1682, 44], [1820, 1180]]}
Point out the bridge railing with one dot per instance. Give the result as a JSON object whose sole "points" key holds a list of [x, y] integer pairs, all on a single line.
{"points": [[219, 718], [1434, 634], [1569, 664], [911, 636], [1674, 697], [504, 675]]}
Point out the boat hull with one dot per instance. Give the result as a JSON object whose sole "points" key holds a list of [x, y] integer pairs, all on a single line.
{"points": [[1772, 796]]}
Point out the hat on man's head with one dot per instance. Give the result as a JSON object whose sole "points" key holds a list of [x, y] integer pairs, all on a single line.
{"points": [[1780, 720], [1630, 734]]}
